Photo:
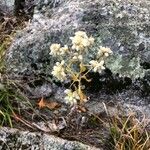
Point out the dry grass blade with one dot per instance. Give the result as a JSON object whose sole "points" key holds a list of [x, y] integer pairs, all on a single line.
{"points": [[25, 122], [130, 133]]}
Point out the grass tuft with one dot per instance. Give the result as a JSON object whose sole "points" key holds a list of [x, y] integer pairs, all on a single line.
{"points": [[11, 100], [130, 133]]}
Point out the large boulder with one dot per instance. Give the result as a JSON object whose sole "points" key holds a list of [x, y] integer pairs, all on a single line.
{"points": [[123, 26]]}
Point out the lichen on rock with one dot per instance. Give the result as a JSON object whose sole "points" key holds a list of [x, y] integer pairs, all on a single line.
{"points": [[122, 26], [16, 139]]}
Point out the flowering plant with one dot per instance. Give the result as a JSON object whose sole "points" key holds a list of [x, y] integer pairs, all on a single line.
{"points": [[75, 65]]}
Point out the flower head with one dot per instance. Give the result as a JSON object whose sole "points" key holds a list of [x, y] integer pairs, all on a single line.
{"points": [[104, 51], [64, 49], [91, 40], [71, 97], [97, 66], [81, 41], [81, 34], [55, 49], [77, 57], [59, 71]]}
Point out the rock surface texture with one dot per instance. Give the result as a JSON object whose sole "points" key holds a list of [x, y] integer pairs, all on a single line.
{"points": [[122, 25], [15, 139], [6, 6]]}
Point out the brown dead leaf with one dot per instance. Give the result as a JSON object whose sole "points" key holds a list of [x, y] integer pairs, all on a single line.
{"points": [[41, 103], [51, 105]]}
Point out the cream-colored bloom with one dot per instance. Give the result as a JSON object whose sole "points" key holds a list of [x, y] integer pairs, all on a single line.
{"points": [[64, 49], [97, 66], [81, 41], [77, 57], [59, 71], [81, 34], [78, 47], [104, 51], [86, 42], [80, 57], [91, 40], [55, 49], [76, 40], [71, 97]]}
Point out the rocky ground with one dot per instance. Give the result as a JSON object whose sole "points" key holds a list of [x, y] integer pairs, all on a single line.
{"points": [[124, 87]]}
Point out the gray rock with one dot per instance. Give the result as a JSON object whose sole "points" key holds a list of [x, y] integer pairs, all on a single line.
{"points": [[7, 6], [44, 90], [122, 103], [8, 3], [122, 26], [17, 140]]}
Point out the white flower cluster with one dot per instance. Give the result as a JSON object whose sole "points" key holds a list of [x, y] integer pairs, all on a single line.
{"points": [[59, 71], [76, 57], [71, 97], [97, 66], [56, 49], [81, 41], [104, 52]]}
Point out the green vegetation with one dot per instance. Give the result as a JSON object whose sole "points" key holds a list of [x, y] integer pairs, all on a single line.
{"points": [[6, 108], [10, 95], [10, 99]]}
